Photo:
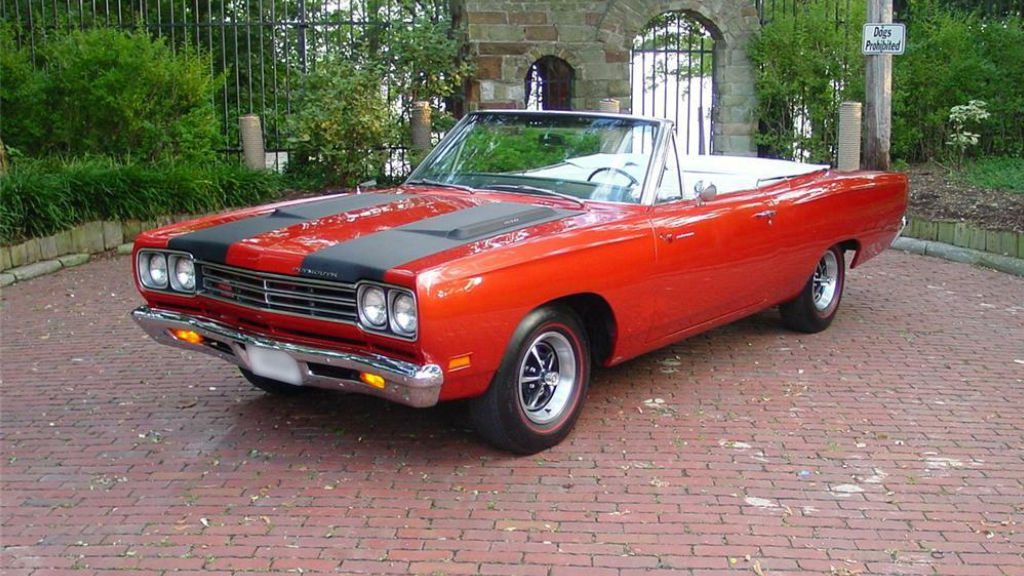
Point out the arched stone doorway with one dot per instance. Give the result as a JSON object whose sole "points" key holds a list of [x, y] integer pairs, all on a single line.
{"points": [[597, 39], [549, 84], [672, 75]]}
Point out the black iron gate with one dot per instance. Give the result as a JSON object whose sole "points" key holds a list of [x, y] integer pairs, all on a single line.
{"points": [[261, 48], [671, 73]]}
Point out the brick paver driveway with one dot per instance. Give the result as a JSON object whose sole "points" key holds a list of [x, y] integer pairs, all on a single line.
{"points": [[891, 444]]}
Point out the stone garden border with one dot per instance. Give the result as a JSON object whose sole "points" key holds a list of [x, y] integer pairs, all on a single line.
{"points": [[38, 256], [966, 235]]}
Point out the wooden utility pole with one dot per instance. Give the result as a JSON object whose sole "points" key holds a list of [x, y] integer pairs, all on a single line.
{"points": [[878, 99]]}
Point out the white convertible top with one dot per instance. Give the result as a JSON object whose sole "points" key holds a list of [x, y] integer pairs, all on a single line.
{"points": [[760, 168], [734, 173]]}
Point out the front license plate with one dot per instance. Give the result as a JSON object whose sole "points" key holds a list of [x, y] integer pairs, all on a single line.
{"points": [[274, 364]]}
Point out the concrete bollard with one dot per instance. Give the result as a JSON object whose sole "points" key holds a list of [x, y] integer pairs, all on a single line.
{"points": [[252, 142], [849, 136], [420, 125]]}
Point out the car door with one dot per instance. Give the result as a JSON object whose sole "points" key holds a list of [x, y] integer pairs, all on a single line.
{"points": [[713, 259]]}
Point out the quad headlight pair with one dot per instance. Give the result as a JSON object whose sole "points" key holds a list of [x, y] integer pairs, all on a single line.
{"points": [[173, 271], [387, 309]]}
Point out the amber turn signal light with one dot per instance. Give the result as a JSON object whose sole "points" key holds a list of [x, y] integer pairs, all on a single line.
{"points": [[459, 362], [189, 336], [372, 379]]}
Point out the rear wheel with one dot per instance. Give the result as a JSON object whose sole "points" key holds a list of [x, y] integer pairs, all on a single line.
{"points": [[538, 391], [816, 306], [268, 385]]}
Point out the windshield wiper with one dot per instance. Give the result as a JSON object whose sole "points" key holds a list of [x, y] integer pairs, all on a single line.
{"points": [[534, 190], [429, 182]]}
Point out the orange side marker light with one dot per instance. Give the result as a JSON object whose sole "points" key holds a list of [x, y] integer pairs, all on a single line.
{"points": [[372, 379], [459, 362], [189, 336]]}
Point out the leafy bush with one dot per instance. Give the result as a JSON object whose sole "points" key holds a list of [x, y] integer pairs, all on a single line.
{"points": [[107, 92], [953, 57], [22, 96], [806, 66], [962, 120], [341, 123], [42, 197]]}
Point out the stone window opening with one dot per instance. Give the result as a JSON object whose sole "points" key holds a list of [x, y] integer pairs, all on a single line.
{"points": [[549, 84]]}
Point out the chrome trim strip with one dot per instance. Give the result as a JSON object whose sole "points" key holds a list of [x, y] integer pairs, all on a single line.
{"points": [[407, 383], [256, 275]]}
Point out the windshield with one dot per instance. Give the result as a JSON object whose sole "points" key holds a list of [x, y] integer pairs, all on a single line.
{"points": [[586, 157]]}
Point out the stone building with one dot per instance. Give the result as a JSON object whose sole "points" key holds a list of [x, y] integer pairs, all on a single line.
{"points": [[588, 44]]}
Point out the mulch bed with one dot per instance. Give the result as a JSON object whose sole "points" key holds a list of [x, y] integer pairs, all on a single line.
{"points": [[934, 195]]}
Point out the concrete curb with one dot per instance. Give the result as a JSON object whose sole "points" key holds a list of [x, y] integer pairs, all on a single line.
{"points": [[1005, 264], [37, 269]]}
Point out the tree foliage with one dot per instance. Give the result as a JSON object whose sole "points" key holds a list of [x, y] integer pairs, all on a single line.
{"points": [[341, 123], [806, 66], [953, 57]]}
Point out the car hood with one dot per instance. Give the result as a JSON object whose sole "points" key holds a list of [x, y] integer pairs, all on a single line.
{"points": [[352, 237]]}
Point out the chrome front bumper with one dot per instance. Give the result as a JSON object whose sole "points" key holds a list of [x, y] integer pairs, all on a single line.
{"points": [[405, 382]]}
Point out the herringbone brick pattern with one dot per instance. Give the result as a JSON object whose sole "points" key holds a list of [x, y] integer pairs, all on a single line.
{"points": [[891, 444]]}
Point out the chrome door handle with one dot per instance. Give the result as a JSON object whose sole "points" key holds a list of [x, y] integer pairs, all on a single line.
{"points": [[670, 237], [765, 214]]}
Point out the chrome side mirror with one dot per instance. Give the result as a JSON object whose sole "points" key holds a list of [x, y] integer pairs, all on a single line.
{"points": [[705, 193]]}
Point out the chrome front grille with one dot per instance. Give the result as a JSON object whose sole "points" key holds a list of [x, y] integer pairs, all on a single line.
{"points": [[277, 293]]}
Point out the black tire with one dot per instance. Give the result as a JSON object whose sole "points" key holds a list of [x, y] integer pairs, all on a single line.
{"points": [[815, 308], [275, 387], [523, 411]]}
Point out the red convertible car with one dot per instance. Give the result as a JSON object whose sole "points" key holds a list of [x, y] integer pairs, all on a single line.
{"points": [[526, 249]]}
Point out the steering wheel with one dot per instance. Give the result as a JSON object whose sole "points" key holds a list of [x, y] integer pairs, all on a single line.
{"points": [[632, 181]]}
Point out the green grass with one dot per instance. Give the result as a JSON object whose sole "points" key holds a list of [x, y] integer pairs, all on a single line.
{"points": [[1003, 173], [42, 197]]}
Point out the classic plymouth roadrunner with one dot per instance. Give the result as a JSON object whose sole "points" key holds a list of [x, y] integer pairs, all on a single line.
{"points": [[524, 250]]}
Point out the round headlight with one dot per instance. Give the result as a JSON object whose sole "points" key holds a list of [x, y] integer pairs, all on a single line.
{"points": [[373, 307], [155, 270], [184, 279], [403, 314]]}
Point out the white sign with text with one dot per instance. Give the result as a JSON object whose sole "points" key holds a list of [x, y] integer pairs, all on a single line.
{"points": [[884, 39]]}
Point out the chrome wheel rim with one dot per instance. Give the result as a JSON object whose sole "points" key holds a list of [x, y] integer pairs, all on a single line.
{"points": [[547, 378], [825, 281]]}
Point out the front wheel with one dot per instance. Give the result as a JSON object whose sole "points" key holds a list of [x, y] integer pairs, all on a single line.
{"points": [[816, 306], [538, 391]]}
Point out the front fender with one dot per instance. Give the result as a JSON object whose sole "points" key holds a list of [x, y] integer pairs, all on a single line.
{"points": [[473, 306]]}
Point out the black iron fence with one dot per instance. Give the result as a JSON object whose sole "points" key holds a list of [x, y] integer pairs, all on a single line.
{"points": [[259, 48], [671, 75]]}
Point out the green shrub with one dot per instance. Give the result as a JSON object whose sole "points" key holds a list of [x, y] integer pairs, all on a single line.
{"points": [[953, 57], [22, 96], [42, 197], [107, 92], [341, 124], [1004, 173], [806, 66]]}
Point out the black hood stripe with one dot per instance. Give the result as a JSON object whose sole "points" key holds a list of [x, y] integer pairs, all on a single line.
{"points": [[212, 244], [369, 257]]}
